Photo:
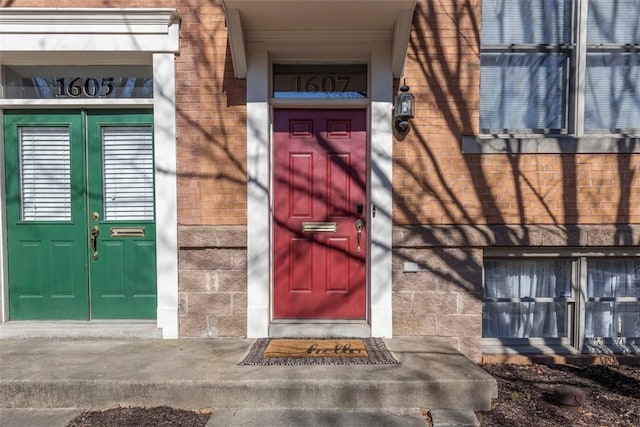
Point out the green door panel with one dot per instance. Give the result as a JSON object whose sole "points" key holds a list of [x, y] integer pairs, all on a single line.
{"points": [[47, 258], [123, 280], [123, 277]]}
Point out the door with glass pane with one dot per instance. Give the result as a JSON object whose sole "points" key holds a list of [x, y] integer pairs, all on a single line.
{"points": [[81, 231], [121, 215]]}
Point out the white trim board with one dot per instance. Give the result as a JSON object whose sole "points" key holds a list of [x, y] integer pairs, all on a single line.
{"points": [[259, 171]]}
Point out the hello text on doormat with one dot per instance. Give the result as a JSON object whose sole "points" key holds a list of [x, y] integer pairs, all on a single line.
{"points": [[318, 351], [315, 348]]}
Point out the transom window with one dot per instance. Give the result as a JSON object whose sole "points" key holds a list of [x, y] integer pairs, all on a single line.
{"points": [[320, 81], [74, 82], [585, 303], [560, 67]]}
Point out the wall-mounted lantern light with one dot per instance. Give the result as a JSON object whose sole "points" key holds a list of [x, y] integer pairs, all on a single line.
{"points": [[403, 109]]}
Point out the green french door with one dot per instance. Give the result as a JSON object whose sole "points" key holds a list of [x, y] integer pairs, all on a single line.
{"points": [[80, 214]]}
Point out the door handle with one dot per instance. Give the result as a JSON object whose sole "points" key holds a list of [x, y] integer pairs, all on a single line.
{"points": [[359, 228], [95, 232]]}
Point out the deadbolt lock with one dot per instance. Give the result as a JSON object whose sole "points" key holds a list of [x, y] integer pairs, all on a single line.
{"points": [[95, 216]]}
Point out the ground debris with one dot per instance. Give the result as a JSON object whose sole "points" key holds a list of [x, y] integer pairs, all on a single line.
{"points": [[159, 416], [525, 395]]}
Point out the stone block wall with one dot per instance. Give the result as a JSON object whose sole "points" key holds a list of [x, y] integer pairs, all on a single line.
{"points": [[443, 298], [212, 281]]}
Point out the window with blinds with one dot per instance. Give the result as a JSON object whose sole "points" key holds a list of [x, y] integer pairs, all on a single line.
{"points": [[45, 174], [560, 66], [613, 66], [128, 173], [526, 46]]}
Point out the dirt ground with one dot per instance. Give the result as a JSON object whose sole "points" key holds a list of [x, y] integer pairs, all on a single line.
{"points": [[525, 398], [160, 416]]}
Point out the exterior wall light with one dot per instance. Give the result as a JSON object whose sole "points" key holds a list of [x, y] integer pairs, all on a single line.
{"points": [[403, 109]]}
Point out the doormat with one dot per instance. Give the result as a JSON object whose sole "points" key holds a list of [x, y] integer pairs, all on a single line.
{"points": [[318, 351]]}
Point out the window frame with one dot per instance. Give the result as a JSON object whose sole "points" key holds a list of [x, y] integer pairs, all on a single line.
{"points": [[574, 115], [620, 344], [534, 344], [575, 342]]}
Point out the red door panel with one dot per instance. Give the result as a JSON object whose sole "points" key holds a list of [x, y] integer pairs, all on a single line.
{"points": [[319, 180]]}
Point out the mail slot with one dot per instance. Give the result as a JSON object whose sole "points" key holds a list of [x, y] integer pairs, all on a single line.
{"points": [[319, 227], [127, 232]]}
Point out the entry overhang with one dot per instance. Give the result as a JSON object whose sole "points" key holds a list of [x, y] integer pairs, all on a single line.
{"points": [[50, 31], [345, 21]]}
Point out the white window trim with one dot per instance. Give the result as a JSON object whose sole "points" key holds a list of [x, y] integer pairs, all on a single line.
{"points": [[575, 343], [50, 36]]}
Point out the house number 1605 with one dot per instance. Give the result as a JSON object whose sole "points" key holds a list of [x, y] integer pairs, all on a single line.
{"points": [[88, 87]]}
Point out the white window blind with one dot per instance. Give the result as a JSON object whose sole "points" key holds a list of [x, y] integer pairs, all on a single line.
{"points": [[524, 65], [45, 174], [525, 21], [613, 22], [613, 66], [521, 92], [128, 173]]}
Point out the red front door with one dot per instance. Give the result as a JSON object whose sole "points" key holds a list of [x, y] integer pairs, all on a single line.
{"points": [[319, 205]]}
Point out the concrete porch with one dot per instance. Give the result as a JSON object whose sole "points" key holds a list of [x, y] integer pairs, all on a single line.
{"points": [[204, 373]]}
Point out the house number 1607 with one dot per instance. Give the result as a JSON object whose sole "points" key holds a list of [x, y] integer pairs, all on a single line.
{"points": [[88, 87], [325, 83]]}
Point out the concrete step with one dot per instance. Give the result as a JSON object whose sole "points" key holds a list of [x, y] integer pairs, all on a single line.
{"points": [[316, 418], [453, 418], [270, 418], [92, 329], [37, 417], [197, 374]]}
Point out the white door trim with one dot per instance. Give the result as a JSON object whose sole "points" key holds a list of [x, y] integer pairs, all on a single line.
{"points": [[259, 171], [48, 36]]}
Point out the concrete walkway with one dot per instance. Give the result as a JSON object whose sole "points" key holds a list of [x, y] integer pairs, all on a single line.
{"points": [[205, 374]]}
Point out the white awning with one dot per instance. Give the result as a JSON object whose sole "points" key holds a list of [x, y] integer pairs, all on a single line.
{"points": [[345, 20]]}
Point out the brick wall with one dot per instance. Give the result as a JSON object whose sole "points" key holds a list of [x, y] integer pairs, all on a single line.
{"points": [[211, 127], [435, 183]]}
